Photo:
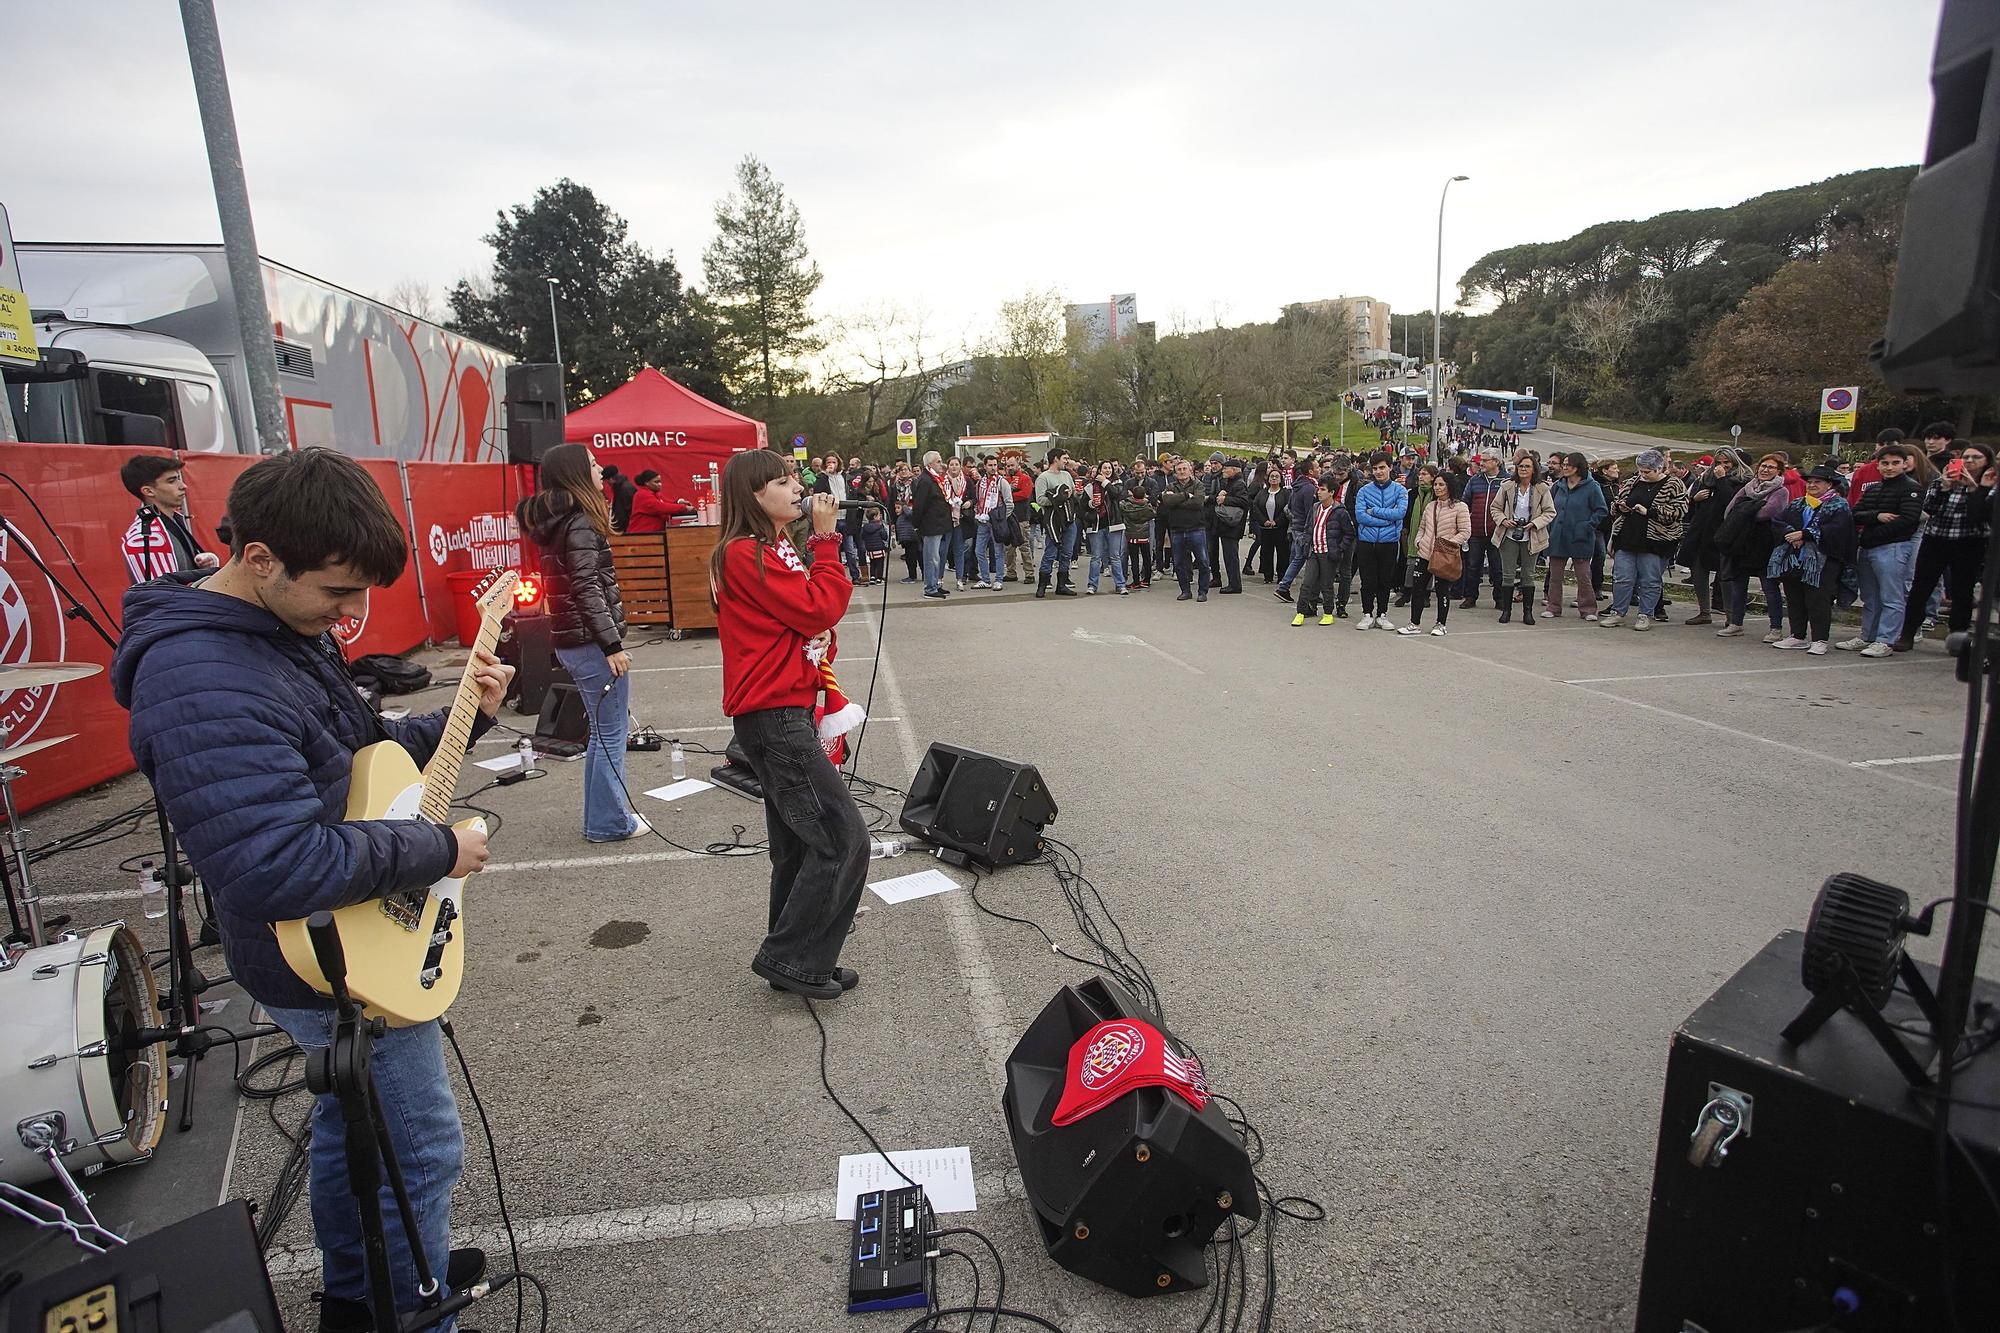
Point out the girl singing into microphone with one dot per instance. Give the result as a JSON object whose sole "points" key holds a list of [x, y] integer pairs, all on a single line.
{"points": [[770, 608]]}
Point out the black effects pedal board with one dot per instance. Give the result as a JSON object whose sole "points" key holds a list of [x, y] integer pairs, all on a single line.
{"points": [[886, 1267]]}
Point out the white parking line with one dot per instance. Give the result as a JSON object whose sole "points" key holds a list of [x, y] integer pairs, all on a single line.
{"points": [[1746, 671], [643, 1226], [1906, 759]]}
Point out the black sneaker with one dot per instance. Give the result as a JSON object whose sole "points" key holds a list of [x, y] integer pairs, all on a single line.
{"points": [[846, 976], [337, 1314], [1187, 596], [1283, 594], [829, 989], [1201, 597]]}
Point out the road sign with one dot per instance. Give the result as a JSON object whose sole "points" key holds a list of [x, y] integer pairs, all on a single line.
{"points": [[1838, 407], [1286, 416], [906, 433], [798, 441], [1163, 437], [1735, 433], [17, 327]]}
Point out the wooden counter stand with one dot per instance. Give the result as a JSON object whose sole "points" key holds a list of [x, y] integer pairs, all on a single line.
{"points": [[663, 577]]}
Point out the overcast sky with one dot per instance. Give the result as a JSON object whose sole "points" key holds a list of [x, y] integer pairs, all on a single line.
{"points": [[1215, 159]]}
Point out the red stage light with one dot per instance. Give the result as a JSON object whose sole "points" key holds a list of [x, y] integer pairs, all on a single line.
{"points": [[528, 591]]}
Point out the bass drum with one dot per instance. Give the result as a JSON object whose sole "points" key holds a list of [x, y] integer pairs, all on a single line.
{"points": [[65, 1006]]}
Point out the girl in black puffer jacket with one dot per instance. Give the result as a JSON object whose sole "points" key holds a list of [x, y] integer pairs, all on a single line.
{"points": [[570, 523]]}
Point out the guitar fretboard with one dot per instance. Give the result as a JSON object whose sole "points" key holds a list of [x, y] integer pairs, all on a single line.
{"points": [[441, 774]]}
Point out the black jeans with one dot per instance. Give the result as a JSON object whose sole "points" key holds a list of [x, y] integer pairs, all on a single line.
{"points": [[1810, 609], [1138, 561], [1377, 562], [1481, 558], [1229, 573], [819, 843], [1957, 560], [1421, 584]]}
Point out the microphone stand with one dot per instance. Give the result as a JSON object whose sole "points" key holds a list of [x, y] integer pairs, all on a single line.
{"points": [[342, 1068]]}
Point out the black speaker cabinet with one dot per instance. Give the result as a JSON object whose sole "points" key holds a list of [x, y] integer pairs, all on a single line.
{"points": [[989, 809], [203, 1272], [1824, 1212], [1944, 319], [533, 406], [525, 646], [563, 728], [1129, 1195]]}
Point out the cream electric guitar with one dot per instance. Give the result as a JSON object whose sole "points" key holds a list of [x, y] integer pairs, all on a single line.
{"points": [[406, 951]]}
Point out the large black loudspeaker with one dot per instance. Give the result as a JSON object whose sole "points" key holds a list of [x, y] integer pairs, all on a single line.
{"points": [[988, 809], [1822, 1210], [525, 646], [534, 411], [1944, 321], [1129, 1195], [563, 727]]}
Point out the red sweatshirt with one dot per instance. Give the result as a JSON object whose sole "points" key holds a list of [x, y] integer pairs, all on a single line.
{"points": [[769, 605]]}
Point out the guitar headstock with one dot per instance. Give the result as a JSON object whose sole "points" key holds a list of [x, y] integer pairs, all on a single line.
{"points": [[495, 592]]}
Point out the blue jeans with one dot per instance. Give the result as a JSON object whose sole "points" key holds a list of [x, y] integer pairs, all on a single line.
{"points": [[1885, 588], [414, 1094], [1056, 553], [957, 551], [934, 563], [607, 815], [1191, 547], [992, 557], [1301, 549], [817, 840], [1107, 548], [1643, 571]]}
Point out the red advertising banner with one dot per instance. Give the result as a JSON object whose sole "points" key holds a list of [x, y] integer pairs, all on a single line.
{"points": [[77, 530]]}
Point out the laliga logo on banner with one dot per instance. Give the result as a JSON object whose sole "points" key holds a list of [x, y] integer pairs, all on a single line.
{"points": [[492, 541], [22, 609]]}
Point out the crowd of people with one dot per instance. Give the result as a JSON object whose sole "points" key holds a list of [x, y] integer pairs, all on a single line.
{"points": [[1555, 533]]}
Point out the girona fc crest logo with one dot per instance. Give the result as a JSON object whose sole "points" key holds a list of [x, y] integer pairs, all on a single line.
{"points": [[348, 630], [29, 615], [1111, 1052]]}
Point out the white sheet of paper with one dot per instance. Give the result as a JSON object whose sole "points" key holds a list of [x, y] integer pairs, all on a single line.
{"points": [[945, 1174], [920, 885], [673, 791], [500, 763]]}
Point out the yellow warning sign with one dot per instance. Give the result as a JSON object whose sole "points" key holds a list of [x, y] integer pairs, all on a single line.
{"points": [[17, 329], [1838, 408]]}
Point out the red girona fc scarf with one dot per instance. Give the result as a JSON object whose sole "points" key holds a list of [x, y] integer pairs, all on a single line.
{"points": [[1117, 1056]]}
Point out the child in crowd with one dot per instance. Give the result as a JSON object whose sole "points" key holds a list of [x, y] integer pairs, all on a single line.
{"points": [[1329, 539], [1138, 512], [874, 547]]}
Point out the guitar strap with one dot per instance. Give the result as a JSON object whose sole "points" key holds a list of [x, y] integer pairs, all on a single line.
{"points": [[329, 648]]}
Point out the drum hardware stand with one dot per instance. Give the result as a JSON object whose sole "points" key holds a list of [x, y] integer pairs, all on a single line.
{"points": [[342, 1068], [36, 1211]]}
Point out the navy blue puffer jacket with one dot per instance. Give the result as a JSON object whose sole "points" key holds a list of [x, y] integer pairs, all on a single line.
{"points": [[247, 731]]}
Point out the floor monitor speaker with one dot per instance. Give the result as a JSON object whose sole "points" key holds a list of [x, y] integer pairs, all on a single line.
{"points": [[988, 809], [1129, 1195]]}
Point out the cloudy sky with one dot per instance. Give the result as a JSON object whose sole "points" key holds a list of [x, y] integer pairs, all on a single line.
{"points": [[1218, 160]]}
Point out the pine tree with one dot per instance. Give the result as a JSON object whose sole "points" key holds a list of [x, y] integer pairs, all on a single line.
{"points": [[761, 281]]}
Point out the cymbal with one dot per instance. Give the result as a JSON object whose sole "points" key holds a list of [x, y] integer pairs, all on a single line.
{"points": [[13, 752], [28, 675]]}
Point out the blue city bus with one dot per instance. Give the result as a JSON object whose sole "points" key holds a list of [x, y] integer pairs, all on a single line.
{"points": [[1499, 411], [1416, 398]]}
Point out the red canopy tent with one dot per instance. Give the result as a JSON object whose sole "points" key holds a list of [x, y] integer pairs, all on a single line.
{"points": [[652, 422]]}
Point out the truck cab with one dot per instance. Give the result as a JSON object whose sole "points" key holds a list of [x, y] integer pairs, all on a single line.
{"points": [[98, 384]]}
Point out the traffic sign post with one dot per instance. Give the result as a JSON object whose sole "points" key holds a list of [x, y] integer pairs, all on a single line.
{"points": [[17, 325], [1838, 409], [1288, 418], [906, 434]]}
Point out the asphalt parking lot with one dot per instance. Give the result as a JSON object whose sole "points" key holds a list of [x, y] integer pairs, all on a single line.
{"points": [[1430, 907]]}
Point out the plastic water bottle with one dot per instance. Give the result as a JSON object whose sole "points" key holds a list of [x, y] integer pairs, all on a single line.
{"points": [[525, 747], [677, 761], [152, 891], [882, 847]]}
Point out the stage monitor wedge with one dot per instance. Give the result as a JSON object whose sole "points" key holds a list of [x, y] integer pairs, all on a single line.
{"points": [[984, 808]]}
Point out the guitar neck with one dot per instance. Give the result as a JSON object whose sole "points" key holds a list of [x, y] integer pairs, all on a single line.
{"points": [[441, 774]]}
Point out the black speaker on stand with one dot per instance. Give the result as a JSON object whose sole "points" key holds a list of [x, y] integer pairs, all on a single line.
{"points": [[525, 646], [533, 406], [1129, 1195], [978, 807]]}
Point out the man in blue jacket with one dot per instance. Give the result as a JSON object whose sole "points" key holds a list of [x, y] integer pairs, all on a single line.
{"points": [[1379, 509], [245, 721]]}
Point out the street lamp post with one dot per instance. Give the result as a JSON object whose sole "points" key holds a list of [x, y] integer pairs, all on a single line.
{"points": [[555, 329], [1437, 322]]}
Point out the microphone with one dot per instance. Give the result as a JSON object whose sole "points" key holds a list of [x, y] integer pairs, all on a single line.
{"points": [[805, 503]]}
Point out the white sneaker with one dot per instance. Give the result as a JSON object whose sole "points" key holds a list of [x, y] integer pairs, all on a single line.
{"points": [[1410, 629], [1853, 645], [1090, 592], [1878, 650], [1643, 622], [1788, 642], [1366, 622], [1383, 622], [1816, 649], [1438, 633], [1590, 617], [1773, 636], [1729, 632]]}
